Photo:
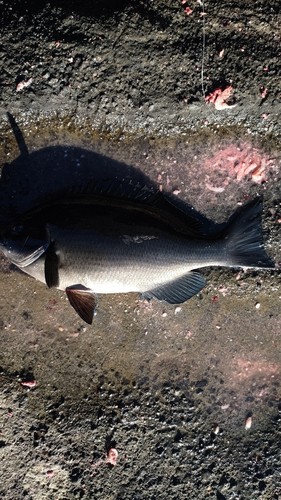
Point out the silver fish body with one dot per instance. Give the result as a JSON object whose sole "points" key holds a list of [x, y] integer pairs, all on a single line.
{"points": [[118, 250], [121, 263]]}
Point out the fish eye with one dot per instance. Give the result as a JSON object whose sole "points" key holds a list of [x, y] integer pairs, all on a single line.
{"points": [[17, 230]]}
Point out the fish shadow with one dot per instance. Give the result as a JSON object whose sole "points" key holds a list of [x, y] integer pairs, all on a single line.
{"points": [[51, 171]]}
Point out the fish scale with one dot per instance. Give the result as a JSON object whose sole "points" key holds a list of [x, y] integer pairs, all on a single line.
{"points": [[123, 265], [125, 246]]}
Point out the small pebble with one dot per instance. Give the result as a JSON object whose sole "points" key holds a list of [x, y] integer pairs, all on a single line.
{"points": [[248, 423], [225, 407], [112, 456]]}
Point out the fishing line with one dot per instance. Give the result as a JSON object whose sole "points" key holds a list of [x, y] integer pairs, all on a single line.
{"points": [[232, 137], [203, 54], [203, 49], [203, 14]]}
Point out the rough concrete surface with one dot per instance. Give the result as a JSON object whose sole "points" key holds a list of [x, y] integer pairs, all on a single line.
{"points": [[188, 395]]}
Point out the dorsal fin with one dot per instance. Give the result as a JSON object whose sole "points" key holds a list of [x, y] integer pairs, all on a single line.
{"points": [[108, 189], [123, 194]]}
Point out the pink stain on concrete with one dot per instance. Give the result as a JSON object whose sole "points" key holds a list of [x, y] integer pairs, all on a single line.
{"points": [[239, 163], [219, 98], [245, 369], [245, 375]]}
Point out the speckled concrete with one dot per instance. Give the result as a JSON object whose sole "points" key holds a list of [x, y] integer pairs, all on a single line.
{"points": [[188, 395]]}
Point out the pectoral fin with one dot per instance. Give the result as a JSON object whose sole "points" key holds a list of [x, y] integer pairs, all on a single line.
{"points": [[83, 301], [178, 291], [52, 266]]}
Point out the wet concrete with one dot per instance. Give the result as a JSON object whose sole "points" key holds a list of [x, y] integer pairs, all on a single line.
{"points": [[188, 395]]}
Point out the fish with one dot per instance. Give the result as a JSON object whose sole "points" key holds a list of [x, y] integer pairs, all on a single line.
{"points": [[115, 240]]}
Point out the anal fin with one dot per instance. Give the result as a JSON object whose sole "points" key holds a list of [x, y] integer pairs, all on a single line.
{"points": [[178, 291], [83, 301]]}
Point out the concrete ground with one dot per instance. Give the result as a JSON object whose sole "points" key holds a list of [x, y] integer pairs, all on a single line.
{"points": [[153, 401]]}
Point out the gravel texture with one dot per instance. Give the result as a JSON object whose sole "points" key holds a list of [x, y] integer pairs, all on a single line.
{"points": [[188, 395]]}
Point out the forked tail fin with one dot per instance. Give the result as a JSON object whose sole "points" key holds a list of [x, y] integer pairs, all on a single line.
{"points": [[244, 237]]}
